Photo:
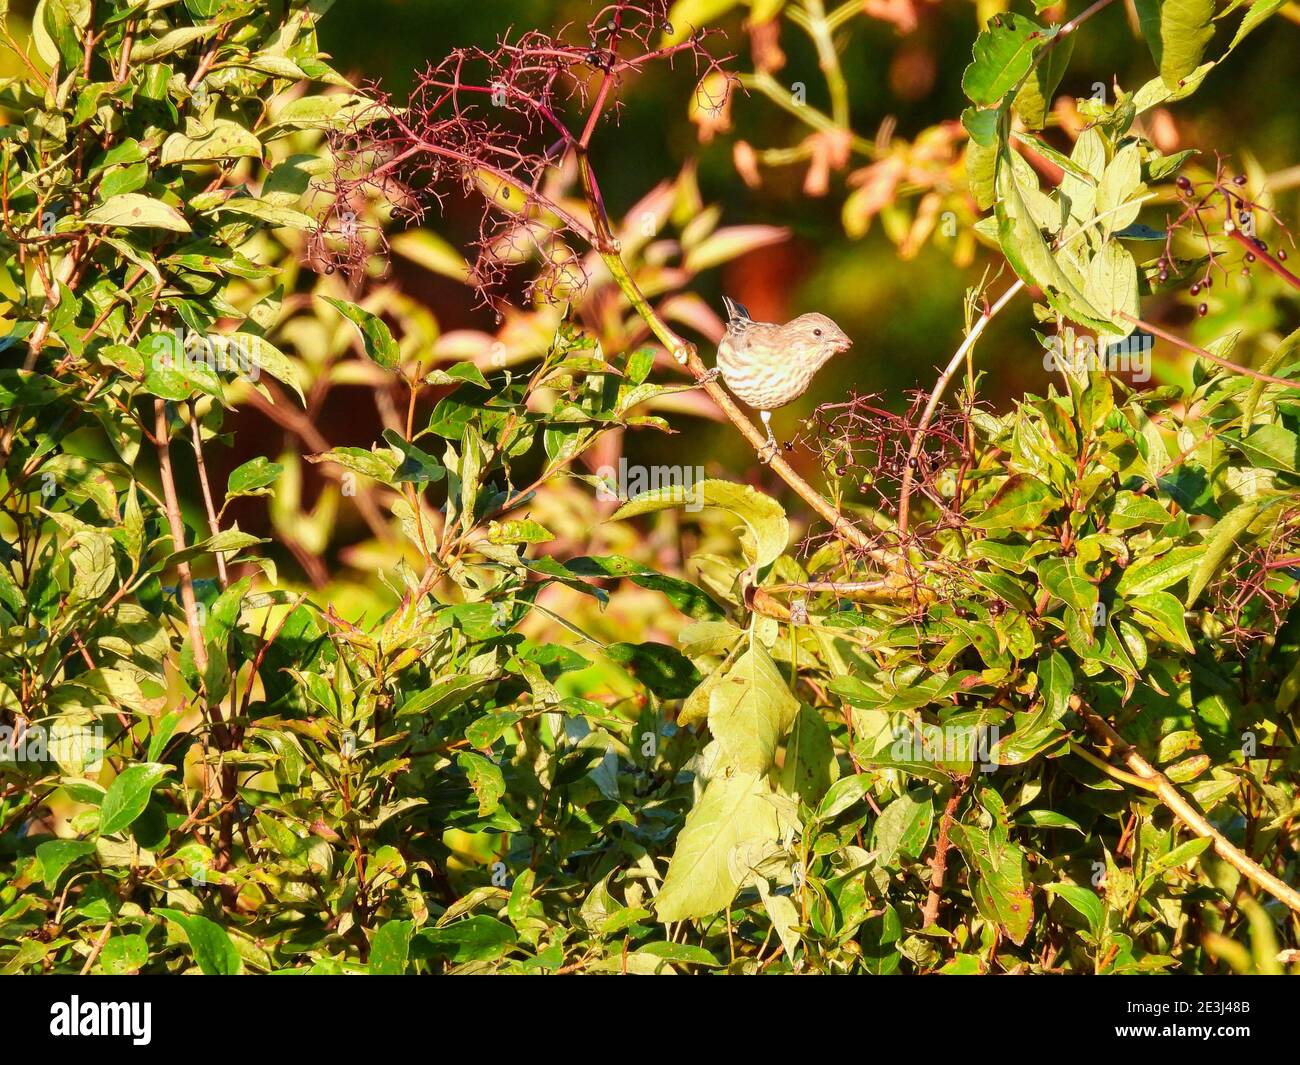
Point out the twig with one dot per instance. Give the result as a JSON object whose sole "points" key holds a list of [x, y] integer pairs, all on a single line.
{"points": [[99, 945], [1187, 345], [954, 364], [213, 525], [1252, 245], [939, 863], [176, 524]]}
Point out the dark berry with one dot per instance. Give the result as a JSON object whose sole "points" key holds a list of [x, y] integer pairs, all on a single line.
{"points": [[1184, 184], [1195, 289], [1239, 180], [1164, 275], [1261, 245], [1250, 257], [1244, 218], [1281, 254], [1203, 309]]}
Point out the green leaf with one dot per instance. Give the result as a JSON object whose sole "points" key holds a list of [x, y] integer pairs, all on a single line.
{"points": [[253, 477], [1130, 510], [1177, 32], [809, 766], [132, 210], [379, 465], [1003, 55], [733, 810], [265, 357], [1271, 447], [1023, 502], [225, 140], [1180, 855], [1111, 286], [478, 938], [376, 339], [1066, 581], [486, 780], [1085, 902], [903, 828], [661, 668], [124, 955], [417, 466], [389, 948], [1034, 100], [212, 949], [56, 855], [750, 711], [1222, 539], [1156, 574], [1001, 881], [1117, 192], [1023, 244], [679, 953], [1162, 614], [128, 795], [1056, 682], [768, 530]]}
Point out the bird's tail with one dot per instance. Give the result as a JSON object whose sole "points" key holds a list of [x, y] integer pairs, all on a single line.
{"points": [[736, 312]]}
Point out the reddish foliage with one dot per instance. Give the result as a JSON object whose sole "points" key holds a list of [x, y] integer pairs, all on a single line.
{"points": [[868, 447], [500, 122]]}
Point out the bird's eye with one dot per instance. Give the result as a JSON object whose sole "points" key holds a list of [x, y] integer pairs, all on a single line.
{"points": [[817, 332]]}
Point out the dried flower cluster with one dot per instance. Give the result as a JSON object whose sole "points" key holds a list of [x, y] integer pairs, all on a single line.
{"points": [[500, 124]]}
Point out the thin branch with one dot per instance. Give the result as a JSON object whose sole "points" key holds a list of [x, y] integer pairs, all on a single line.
{"points": [[214, 526], [1187, 345], [1252, 245], [176, 524], [954, 364], [939, 863]]}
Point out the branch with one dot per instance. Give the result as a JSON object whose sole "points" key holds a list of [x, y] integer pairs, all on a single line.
{"points": [[176, 524], [1185, 811], [1187, 345], [213, 524], [1252, 245], [939, 863], [688, 356]]}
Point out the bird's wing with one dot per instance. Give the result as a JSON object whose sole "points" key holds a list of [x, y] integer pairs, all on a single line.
{"points": [[736, 312]]}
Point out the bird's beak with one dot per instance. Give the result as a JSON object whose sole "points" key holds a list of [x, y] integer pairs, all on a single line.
{"points": [[843, 346]]}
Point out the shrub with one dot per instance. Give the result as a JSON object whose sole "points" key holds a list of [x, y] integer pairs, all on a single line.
{"points": [[1023, 701]]}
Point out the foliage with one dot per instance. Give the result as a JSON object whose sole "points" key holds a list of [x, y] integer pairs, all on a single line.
{"points": [[554, 728]]}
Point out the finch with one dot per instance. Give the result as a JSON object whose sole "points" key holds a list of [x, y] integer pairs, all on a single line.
{"points": [[767, 366]]}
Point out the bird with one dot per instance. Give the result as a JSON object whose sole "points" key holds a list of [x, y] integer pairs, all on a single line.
{"points": [[766, 366]]}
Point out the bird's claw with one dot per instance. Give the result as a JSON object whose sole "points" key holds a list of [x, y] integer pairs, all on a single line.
{"points": [[710, 376], [768, 451]]}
